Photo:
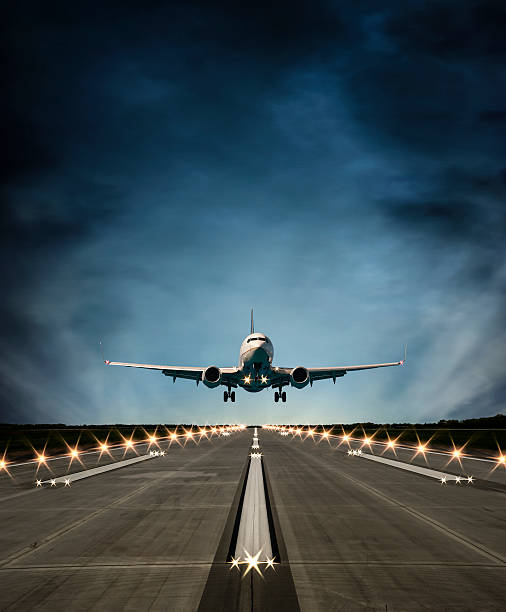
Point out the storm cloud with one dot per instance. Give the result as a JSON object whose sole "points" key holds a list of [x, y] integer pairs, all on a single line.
{"points": [[340, 167]]}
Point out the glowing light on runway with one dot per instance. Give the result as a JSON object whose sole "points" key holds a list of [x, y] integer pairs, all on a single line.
{"points": [[67, 482], [129, 443], [501, 459], [391, 444], [41, 459], [53, 482], [104, 447], [3, 465], [213, 430], [456, 453], [38, 483], [458, 479], [470, 480], [74, 453], [345, 437], [325, 434], [252, 563], [255, 455], [269, 563], [152, 439], [173, 436], [443, 480], [189, 434], [234, 563]]}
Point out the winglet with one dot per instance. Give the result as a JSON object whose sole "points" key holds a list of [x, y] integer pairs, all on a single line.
{"points": [[252, 325], [403, 361], [106, 361]]}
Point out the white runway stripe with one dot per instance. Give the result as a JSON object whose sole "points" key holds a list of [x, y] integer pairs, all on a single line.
{"points": [[254, 535], [98, 470], [411, 468]]}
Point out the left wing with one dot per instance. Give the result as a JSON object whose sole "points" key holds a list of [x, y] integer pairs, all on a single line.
{"points": [[282, 376]]}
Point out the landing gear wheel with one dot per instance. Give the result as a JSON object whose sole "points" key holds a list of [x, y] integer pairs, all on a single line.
{"points": [[276, 396], [283, 396], [225, 396], [232, 396]]}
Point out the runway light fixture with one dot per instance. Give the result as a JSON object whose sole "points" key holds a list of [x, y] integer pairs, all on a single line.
{"points": [[129, 443], [41, 459], [38, 483], [391, 444], [367, 440], [421, 448], [345, 437], [104, 447], [74, 453], [173, 436], [325, 434], [152, 439], [456, 453], [3, 465], [501, 459]]}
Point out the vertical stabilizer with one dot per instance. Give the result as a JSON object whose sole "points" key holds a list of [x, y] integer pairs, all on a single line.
{"points": [[252, 325]]}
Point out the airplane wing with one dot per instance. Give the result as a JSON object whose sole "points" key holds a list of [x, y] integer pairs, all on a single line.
{"points": [[282, 375], [191, 373]]}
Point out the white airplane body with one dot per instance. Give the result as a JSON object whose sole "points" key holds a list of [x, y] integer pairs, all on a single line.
{"points": [[255, 371]]}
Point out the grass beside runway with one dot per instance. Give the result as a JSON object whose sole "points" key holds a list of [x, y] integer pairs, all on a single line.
{"points": [[24, 442]]}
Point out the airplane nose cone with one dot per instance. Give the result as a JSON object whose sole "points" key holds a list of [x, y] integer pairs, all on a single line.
{"points": [[256, 355]]}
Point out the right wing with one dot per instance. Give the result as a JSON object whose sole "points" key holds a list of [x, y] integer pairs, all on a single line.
{"points": [[228, 375]]}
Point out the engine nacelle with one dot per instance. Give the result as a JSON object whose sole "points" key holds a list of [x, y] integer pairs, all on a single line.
{"points": [[211, 377], [299, 377]]}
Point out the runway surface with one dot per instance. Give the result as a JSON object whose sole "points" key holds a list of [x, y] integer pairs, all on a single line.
{"points": [[353, 534]]}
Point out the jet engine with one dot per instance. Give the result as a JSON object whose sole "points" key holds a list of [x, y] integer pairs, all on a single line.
{"points": [[211, 377], [299, 377]]}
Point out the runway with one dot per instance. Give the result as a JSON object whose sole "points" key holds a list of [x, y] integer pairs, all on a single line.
{"points": [[353, 534]]}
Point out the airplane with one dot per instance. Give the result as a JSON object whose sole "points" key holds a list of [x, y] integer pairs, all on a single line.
{"points": [[255, 371]]}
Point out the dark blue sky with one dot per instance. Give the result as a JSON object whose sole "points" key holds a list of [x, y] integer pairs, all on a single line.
{"points": [[340, 167]]}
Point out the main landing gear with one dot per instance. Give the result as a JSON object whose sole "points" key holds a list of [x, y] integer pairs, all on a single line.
{"points": [[229, 394], [278, 395]]}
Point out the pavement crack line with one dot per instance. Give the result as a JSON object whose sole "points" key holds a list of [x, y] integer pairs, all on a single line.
{"points": [[454, 535]]}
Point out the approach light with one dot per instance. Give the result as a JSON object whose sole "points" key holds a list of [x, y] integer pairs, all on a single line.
{"points": [[53, 482], [234, 563], [104, 447], [41, 459], [421, 448], [2, 465], [38, 483], [129, 443], [189, 434], [252, 563], [391, 444], [67, 482], [345, 437], [367, 440], [213, 430], [470, 480], [325, 434], [501, 459], [152, 439], [74, 452], [458, 479], [456, 453], [173, 436], [443, 480], [270, 563]]}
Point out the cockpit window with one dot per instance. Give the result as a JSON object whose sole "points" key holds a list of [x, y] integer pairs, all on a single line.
{"points": [[253, 339]]}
